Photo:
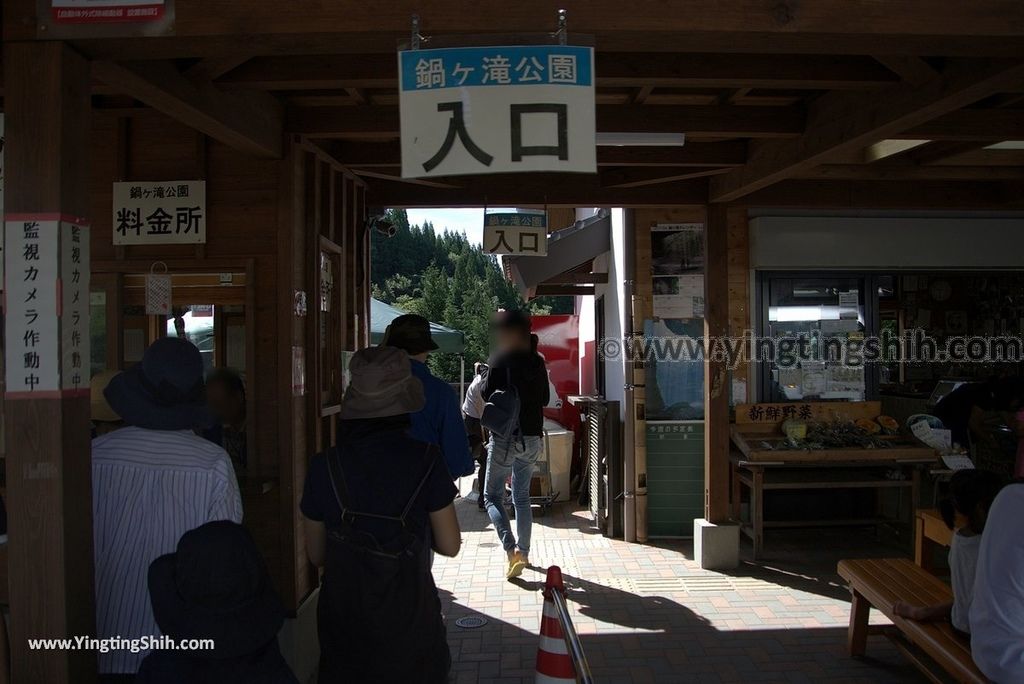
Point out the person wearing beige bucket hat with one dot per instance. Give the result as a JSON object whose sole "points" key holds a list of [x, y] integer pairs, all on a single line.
{"points": [[373, 507], [104, 418]]}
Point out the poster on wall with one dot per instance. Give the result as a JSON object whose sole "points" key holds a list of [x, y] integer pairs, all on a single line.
{"points": [[1, 199], [675, 384], [677, 269], [160, 213], [76, 19]]}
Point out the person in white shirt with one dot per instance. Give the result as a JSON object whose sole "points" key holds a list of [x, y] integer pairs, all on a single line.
{"points": [[997, 612], [472, 409], [971, 493], [153, 480]]}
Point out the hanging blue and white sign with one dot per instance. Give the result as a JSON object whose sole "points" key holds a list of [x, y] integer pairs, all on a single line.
{"points": [[497, 110]]}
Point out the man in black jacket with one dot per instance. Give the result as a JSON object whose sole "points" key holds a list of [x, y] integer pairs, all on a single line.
{"points": [[517, 363]]}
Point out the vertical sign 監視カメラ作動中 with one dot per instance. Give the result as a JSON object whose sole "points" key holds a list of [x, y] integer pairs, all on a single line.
{"points": [[159, 212], [503, 109], [47, 305]]}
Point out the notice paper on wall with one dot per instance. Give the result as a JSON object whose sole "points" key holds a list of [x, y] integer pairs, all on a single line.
{"points": [[849, 305]]}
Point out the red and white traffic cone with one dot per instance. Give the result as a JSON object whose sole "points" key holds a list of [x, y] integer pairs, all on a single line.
{"points": [[554, 665]]}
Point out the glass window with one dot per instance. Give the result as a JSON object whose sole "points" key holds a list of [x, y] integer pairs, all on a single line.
{"points": [[815, 328], [97, 332]]}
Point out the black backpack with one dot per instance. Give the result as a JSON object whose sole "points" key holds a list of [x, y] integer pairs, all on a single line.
{"points": [[501, 411], [379, 612]]}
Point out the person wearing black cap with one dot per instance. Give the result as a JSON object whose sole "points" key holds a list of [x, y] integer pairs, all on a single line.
{"points": [[373, 506], [153, 480], [216, 587], [440, 420], [518, 365]]}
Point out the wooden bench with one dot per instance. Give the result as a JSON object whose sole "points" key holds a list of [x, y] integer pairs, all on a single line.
{"points": [[880, 584], [930, 531]]}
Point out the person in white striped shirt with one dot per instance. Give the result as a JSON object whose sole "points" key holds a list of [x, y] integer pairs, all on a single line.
{"points": [[153, 480]]}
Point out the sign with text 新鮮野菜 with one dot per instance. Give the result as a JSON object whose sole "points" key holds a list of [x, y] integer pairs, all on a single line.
{"points": [[159, 212], [478, 110]]}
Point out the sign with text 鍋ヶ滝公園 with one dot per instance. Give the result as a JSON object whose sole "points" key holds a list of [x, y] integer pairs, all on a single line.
{"points": [[503, 109], [516, 233], [159, 212]]}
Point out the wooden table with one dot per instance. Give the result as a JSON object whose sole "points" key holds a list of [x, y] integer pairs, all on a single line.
{"points": [[761, 477], [930, 531], [762, 462]]}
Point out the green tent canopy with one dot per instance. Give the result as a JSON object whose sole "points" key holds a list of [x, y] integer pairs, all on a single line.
{"points": [[382, 314]]}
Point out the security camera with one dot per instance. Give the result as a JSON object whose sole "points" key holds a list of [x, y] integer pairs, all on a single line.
{"points": [[382, 224]]}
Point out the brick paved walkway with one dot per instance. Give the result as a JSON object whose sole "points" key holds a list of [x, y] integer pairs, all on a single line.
{"points": [[648, 614]]}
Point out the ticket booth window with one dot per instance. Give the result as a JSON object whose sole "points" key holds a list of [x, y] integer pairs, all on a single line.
{"points": [[331, 326]]}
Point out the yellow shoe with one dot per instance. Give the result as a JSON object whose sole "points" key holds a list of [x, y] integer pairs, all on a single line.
{"points": [[516, 565]]}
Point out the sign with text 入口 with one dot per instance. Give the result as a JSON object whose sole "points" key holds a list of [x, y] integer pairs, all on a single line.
{"points": [[159, 213], [504, 109], [47, 306], [516, 233]]}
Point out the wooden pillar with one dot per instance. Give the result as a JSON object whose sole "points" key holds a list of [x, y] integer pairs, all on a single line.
{"points": [[49, 479], [716, 374]]}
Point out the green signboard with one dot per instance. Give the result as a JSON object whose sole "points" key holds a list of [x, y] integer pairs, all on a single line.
{"points": [[675, 477]]}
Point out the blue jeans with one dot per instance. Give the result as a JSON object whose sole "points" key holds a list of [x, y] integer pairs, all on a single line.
{"points": [[517, 457]]}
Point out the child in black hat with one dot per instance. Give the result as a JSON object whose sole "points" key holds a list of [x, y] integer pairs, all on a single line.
{"points": [[216, 587]]}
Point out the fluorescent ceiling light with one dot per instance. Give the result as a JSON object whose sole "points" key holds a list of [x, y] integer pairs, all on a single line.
{"points": [[1005, 145], [641, 139]]}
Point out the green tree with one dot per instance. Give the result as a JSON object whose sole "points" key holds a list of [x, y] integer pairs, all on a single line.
{"points": [[446, 279]]}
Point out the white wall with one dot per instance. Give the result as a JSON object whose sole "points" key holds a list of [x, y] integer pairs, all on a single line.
{"points": [[615, 314]]}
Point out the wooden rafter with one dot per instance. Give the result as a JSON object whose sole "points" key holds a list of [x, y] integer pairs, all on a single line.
{"points": [[537, 189], [616, 70], [849, 26], [909, 68], [640, 177], [698, 121], [913, 172], [875, 117], [249, 122], [731, 153]]}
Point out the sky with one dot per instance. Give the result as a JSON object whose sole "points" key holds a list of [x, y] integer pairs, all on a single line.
{"points": [[467, 221]]}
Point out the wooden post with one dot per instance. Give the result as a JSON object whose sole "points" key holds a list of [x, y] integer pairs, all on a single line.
{"points": [[49, 479], [716, 374]]}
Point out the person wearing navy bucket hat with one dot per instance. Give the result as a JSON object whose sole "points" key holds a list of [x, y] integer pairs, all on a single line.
{"points": [[216, 587], [153, 480]]}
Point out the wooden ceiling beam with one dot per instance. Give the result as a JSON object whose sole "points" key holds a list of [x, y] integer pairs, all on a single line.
{"points": [[212, 68], [971, 124], [888, 194], [876, 116], [740, 19], [730, 153], [698, 121], [909, 68], [534, 190], [735, 42], [613, 70], [640, 177], [248, 122], [913, 172]]}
